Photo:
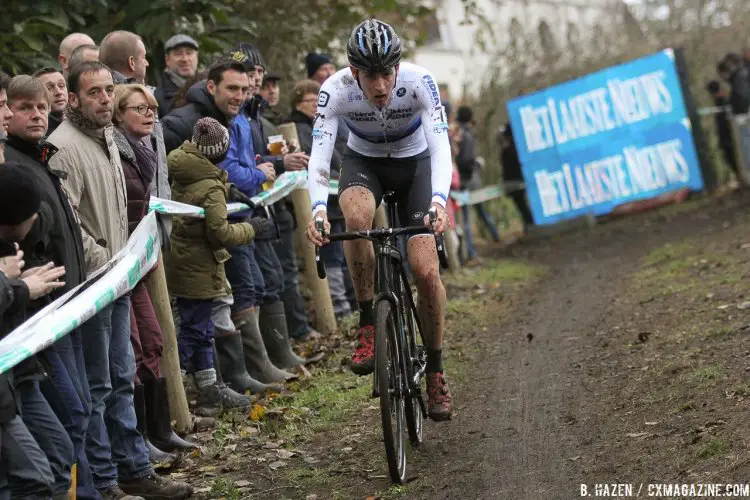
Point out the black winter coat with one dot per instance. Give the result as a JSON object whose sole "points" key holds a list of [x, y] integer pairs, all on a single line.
{"points": [[165, 95], [254, 111], [178, 125], [466, 161], [304, 133], [739, 98], [56, 235], [14, 296]]}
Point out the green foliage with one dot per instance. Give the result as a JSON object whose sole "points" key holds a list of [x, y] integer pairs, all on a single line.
{"points": [[285, 30], [40, 25]]}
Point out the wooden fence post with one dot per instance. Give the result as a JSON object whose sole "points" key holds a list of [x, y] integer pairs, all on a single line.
{"points": [[450, 239], [156, 282], [326, 321]]}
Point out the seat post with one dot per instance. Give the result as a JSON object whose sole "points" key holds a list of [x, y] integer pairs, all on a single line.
{"points": [[389, 199]]}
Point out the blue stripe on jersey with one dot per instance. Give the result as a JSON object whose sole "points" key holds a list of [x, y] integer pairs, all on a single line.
{"points": [[380, 138]]}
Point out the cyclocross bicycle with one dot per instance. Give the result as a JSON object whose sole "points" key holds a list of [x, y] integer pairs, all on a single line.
{"points": [[400, 356]]}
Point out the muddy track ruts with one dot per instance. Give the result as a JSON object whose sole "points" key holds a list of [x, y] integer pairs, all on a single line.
{"points": [[525, 412]]}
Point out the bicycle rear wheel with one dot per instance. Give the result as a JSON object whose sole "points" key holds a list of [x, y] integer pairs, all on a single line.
{"points": [[389, 388]]}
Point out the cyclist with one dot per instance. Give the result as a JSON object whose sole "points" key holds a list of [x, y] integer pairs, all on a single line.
{"points": [[398, 142]]}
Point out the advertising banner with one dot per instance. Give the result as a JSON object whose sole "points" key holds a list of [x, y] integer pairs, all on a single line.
{"points": [[609, 138]]}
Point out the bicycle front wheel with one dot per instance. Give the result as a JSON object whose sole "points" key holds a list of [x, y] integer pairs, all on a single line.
{"points": [[416, 360], [389, 388]]}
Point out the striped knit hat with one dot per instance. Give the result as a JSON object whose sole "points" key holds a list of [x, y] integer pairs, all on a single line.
{"points": [[211, 138]]}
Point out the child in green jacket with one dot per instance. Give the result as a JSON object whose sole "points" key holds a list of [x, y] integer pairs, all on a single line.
{"points": [[195, 267]]}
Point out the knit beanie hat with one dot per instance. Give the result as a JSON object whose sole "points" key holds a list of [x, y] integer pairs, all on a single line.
{"points": [[211, 138], [20, 195], [315, 61], [253, 54]]}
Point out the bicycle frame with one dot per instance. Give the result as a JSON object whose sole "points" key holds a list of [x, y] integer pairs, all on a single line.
{"points": [[391, 283]]}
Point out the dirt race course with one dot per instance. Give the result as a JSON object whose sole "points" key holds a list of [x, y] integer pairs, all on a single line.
{"points": [[615, 354]]}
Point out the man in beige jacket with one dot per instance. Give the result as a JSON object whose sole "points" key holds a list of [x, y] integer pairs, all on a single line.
{"points": [[95, 184]]}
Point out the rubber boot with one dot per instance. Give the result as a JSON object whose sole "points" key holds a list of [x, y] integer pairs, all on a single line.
{"points": [[232, 398], [273, 328], [155, 455], [257, 362], [158, 418], [232, 364]]}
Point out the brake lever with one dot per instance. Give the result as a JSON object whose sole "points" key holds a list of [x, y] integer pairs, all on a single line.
{"points": [[439, 242], [321, 228]]}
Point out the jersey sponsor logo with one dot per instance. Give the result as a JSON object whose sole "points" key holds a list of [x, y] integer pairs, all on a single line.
{"points": [[354, 96], [439, 120], [441, 128], [358, 116], [399, 113], [401, 92], [323, 98], [417, 215], [347, 80], [433, 89], [318, 124]]}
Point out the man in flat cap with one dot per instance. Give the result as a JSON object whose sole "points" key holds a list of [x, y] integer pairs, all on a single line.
{"points": [[181, 58]]}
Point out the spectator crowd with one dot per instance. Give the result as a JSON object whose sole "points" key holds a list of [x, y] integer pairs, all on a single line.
{"points": [[83, 147], [732, 98]]}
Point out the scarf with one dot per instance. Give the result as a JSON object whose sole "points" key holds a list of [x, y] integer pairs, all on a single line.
{"points": [[75, 117], [176, 79], [145, 157]]}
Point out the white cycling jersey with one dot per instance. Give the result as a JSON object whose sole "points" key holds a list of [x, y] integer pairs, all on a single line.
{"points": [[412, 121]]}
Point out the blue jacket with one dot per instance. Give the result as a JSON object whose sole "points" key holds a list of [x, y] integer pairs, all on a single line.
{"points": [[240, 161]]}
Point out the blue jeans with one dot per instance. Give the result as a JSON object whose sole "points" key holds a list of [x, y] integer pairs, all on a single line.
{"points": [[24, 469], [273, 275], [294, 304], [114, 446], [485, 218], [196, 334], [48, 432], [245, 277], [67, 391]]}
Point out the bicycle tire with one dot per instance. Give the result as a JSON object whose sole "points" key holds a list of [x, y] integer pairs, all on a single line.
{"points": [[412, 406], [389, 380]]}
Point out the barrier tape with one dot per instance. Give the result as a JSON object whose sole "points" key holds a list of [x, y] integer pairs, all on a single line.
{"points": [[126, 268], [713, 110], [113, 280]]}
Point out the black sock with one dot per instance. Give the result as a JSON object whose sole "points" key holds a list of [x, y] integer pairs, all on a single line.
{"points": [[434, 360], [365, 314]]}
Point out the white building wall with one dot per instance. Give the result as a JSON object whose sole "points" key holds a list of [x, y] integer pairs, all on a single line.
{"points": [[458, 60]]}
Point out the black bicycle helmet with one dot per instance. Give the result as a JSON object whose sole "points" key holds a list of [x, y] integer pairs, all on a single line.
{"points": [[374, 46]]}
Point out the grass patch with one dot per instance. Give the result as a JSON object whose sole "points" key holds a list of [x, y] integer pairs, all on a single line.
{"points": [[496, 271], [505, 271], [312, 477], [704, 374], [716, 331], [668, 252], [319, 404], [465, 315], [224, 488], [713, 447]]}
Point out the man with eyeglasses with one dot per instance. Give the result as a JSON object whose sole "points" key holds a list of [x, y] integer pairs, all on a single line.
{"points": [[125, 54], [95, 183]]}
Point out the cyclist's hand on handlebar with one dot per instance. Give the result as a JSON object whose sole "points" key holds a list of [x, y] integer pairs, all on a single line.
{"points": [[441, 223], [314, 235]]}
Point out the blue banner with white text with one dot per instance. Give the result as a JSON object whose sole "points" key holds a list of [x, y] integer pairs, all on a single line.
{"points": [[612, 137]]}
